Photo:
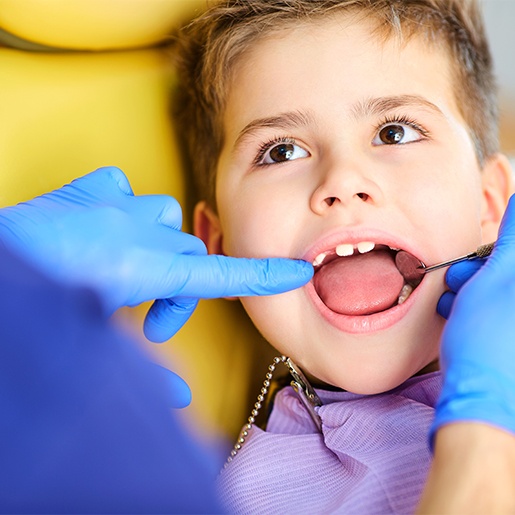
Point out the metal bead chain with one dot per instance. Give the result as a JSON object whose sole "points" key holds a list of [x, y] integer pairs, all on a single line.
{"points": [[257, 406]]}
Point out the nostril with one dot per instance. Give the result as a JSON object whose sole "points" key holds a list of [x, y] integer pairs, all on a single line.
{"points": [[332, 200]]}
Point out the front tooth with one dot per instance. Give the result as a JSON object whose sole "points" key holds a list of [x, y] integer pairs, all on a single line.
{"points": [[345, 249], [319, 259], [365, 246]]}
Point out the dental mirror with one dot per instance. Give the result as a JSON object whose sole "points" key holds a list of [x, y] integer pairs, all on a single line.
{"points": [[413, 270]]}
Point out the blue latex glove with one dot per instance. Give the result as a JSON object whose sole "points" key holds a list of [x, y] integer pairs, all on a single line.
{"points": [[456, 277], [478, 342], [94, 232], [85, 423]]}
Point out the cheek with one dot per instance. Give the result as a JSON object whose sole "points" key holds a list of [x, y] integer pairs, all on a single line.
{"points": [[244, 226], [446, 201], [256, 223], [280, 319]]}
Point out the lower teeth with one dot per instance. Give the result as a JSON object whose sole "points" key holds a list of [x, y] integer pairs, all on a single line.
{"points": [[405, 293]]}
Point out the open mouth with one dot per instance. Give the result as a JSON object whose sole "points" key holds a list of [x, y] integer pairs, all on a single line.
{"points": [[361, 279]]}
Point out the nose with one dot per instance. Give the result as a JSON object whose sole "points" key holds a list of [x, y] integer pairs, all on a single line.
{"points": [[344, 186]]}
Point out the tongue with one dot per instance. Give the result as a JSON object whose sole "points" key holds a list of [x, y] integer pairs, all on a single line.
{"points": [[362, 284]]}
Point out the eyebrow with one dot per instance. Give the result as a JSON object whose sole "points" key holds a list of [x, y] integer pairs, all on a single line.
{"points": [[383, 105], [284, 121], [372, 106]]}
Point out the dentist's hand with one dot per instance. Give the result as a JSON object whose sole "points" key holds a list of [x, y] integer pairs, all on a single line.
{"points": [[478, 343], [457, 275], [95, 232]]}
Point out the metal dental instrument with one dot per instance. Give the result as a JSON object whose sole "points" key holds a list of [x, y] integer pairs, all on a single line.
{"points": [[481, 252], [413, 270]]}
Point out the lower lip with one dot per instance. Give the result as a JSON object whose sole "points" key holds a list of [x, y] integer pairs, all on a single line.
{"points": [[368, 323]]}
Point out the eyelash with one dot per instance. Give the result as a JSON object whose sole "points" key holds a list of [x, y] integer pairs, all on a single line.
{"points": [[388, 120], [265, 147], [404, 120]]}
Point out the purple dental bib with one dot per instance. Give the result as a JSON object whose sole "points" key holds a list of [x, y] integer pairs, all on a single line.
{"points": [[371, 458]]}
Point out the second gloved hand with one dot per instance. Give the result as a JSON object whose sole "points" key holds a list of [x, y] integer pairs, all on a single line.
{"points": [[95, 232], [478, 343]]}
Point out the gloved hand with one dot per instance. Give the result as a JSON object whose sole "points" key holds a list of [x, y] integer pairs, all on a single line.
{"points": [[85, 423], [457, 275], [95, 232], [478, 342]]}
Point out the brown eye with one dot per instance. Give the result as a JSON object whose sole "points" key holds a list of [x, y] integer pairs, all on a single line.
{"points": [[282, 152], [399, 133], [391, 134]]}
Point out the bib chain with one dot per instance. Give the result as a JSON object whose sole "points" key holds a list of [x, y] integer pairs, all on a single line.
{"points": [[301, 386]]}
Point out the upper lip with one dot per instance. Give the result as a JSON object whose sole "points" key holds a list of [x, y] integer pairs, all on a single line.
{"points": [[329, 241]]}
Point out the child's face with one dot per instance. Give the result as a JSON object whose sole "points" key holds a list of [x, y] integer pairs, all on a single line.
{"points": [[306, 167]]}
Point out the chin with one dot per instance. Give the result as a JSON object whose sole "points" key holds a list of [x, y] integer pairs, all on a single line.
{"points": [[369, 378], [377, 385], [375, 359]]}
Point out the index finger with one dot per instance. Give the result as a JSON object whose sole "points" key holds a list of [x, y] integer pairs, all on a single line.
{"points": [[216, 276]]}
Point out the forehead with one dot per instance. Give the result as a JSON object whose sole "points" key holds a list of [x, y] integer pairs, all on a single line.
{"points": [[341, 59]]}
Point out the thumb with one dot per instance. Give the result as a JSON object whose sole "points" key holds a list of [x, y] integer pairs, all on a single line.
{"points": [[505, 244], [503, 254], [507, 229], [459, 273], [166, 317]]}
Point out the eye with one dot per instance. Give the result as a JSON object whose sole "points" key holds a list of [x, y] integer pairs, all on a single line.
{"points": [[280, 151], [398, 133]]}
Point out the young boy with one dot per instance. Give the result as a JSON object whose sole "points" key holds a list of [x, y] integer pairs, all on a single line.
{"points": [[340, 132]]}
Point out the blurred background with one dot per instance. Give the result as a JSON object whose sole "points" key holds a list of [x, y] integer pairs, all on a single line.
{"points": [[499, 18]]}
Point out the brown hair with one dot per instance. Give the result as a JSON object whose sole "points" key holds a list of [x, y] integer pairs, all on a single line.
{"points": [[208, 48]]}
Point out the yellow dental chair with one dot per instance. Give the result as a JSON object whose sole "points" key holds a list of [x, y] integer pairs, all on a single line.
{"points": [[85, 84]]}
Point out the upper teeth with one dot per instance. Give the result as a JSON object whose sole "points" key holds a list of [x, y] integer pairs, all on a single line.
{"points": [[346, 249], [365, 246], [319, 259]]}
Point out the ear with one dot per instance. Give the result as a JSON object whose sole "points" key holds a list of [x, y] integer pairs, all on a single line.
{"points": [[498, 186], [207, 227]]}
